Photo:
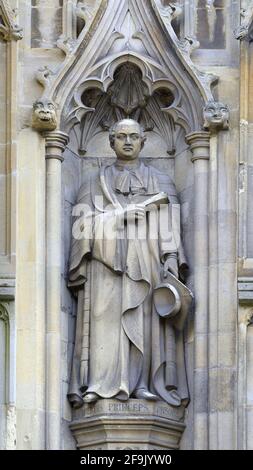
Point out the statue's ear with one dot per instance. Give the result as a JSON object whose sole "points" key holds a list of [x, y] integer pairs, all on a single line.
{"points": [[143, 142]]}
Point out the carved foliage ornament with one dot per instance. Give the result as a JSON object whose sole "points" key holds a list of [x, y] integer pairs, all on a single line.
{"points": [[216, 116], [8, 28]]}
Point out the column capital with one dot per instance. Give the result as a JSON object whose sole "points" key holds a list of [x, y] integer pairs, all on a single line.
{"points": [[199, 143], [56, 143]]}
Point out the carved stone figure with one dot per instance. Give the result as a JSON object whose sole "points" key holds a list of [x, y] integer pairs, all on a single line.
{"points": [[127, 265], [216, 116], [244, 31], [44, 115]]}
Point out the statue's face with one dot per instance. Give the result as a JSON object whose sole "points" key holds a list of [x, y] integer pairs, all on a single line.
{"points": [[128, 141]]}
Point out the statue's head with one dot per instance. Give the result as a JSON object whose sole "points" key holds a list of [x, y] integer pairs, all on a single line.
{"points": [[127, 139], [216, 115], [44, 115]]}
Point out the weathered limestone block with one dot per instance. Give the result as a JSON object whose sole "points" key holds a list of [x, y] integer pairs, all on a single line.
{"points": [[136, 425]]}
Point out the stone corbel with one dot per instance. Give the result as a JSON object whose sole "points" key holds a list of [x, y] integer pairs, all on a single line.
{"points": [[44, 115], [245, 30], [9, 30], [216, 116]]}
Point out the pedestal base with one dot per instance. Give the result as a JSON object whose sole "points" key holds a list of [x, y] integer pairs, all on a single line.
{"points": [[135, 424]]}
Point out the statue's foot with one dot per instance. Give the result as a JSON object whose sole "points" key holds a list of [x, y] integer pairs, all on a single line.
{"points": [[75, 400], [174, 399], [144, 394], [121, 396], [90, 397]]}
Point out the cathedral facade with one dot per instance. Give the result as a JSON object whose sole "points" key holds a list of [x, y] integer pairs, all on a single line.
{"points": [[69, 72]]}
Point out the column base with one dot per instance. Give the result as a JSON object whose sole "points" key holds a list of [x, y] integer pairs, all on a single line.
{"points": [[135, 424]]}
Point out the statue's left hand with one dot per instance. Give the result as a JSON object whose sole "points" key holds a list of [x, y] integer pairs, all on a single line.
{"points": [[170, 265]]}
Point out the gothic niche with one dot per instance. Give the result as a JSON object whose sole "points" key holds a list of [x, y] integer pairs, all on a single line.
{"points": [[130, 97]]}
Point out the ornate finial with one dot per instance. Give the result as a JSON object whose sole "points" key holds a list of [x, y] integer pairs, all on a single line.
{"points": [[216, 116], [245, 30], [8, 28], [44, 115]]}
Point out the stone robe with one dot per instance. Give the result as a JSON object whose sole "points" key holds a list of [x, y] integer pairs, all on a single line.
{"points": [[114, 278]]}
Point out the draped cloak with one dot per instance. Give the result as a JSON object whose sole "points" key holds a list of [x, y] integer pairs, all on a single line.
{"points": [[114, 278]]}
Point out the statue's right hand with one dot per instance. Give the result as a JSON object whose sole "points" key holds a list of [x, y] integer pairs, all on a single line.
{"points": [[134, 212]]}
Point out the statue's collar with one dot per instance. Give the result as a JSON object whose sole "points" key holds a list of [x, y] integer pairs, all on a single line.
{"points": [[129, 166]]}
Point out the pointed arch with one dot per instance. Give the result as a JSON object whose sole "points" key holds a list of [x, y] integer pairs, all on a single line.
{"points": [[101, 49]]}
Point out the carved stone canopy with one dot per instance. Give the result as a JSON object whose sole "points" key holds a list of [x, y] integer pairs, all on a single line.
{"points": [[130, 97], [128, 45]]}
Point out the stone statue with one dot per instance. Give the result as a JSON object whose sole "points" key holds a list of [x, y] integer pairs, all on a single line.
{"points": [[131, 302], [44, 115], [216, 116]]}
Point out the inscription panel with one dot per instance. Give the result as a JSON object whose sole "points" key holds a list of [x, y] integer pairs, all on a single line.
{"points": [[131, 408]]}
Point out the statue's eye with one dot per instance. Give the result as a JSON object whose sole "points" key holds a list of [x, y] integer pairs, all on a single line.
{"points": [[50, 106]]}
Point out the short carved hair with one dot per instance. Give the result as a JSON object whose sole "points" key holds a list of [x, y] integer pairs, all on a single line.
{"points": [[113, 129]]}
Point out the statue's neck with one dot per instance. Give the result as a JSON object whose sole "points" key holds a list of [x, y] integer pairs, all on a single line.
{"points": [[127, 164]]}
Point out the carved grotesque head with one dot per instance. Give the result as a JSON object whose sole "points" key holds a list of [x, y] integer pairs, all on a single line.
{"points": [[127, 139], [44, 115], [216, 115]]}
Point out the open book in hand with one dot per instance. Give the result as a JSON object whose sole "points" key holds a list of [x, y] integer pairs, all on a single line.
{"points": [[157, 200]]}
